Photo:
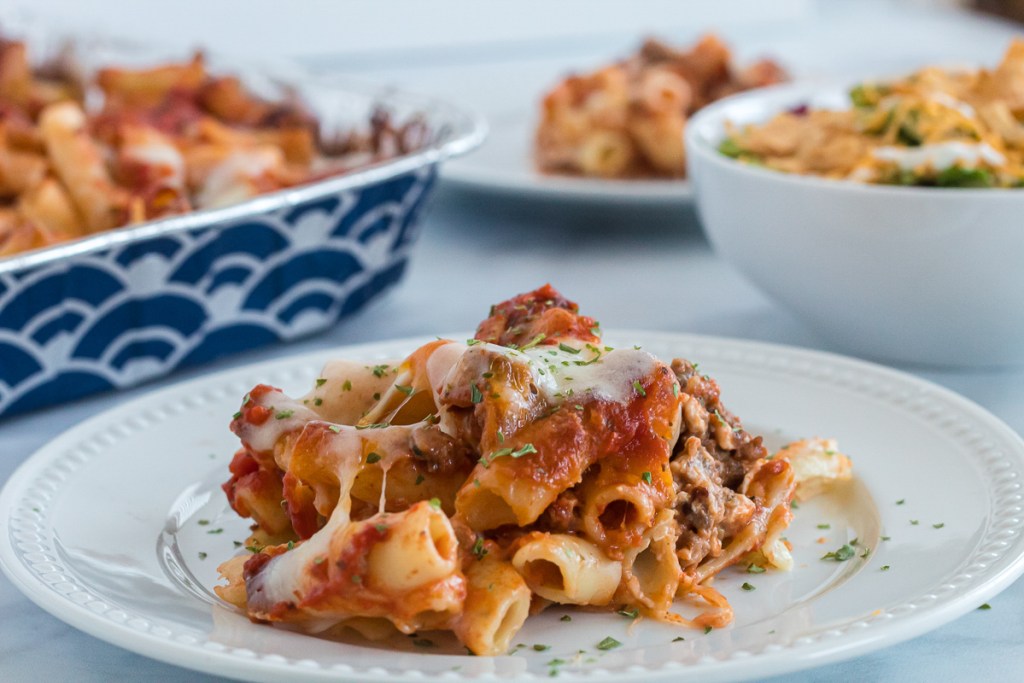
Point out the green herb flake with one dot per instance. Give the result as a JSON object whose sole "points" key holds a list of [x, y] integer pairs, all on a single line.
{"points": [[646, 476], [203, 522], [631, 613], [844, 553], [539, 647], [320, 381], [318, 401], [901, 501], [707, 630], [335, 428], [372, 458], [419, 479], [678, 639], [748, 587], [237, 415], [884, 568], [938, 526], [347, 386], [474, 394], [639, 389], [886, 538], [478, 548], [755, 569], [824, 526], [565, 617], [985, 606], [435, 503], [404, 389], [284, 414], [202, 555], [568, 349], [915, 522], [608, 643], [215, 531], [675, 389], [533, 342], [379, 370]]}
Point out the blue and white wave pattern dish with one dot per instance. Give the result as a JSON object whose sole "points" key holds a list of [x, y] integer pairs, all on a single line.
{"points": [[114, 318]]}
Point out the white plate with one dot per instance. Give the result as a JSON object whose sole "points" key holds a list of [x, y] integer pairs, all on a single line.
{"points": [[504, 164], [104, 531]]}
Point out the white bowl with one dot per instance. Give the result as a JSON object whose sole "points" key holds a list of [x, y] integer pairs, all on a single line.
{"points": [[930, 276]]}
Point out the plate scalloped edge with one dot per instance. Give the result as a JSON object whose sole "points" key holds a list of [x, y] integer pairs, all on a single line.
{"points": [[28, 557]]}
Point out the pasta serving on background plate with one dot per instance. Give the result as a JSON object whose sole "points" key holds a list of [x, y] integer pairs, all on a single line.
{"points": [[473, 483]]}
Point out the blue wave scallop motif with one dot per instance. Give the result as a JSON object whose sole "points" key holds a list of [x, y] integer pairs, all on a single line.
{"points": [[257, 239], [17, 364], [165, 247], [327, 265], [87, 283], [184, 298], [66, 321], [182, 315], [149, 349]]}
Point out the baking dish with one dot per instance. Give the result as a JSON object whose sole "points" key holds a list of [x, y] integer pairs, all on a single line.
{"points": [[121, 307]]}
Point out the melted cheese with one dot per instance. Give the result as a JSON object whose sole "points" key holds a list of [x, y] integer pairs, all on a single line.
{"points": [[941, 155]]}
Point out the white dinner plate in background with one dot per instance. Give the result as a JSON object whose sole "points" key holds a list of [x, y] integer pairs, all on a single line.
{"points": [[117, 527]]}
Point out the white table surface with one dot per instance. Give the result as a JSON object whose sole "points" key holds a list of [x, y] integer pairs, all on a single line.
{"points": [[630, 268]]}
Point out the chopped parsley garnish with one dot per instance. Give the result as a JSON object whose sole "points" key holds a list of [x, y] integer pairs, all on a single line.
{"points": [[379, 370], [320, 381], [372, 458], [374, 425], [202, 555], [478, 548], [347, 386], [539, 647], [675, 389], [472, 342], [755, 569], [901, 501], [335, 428], [568, 349], [502, 452], [793, 505], [985, 606], [254, 548], [608, 643], [639, 388], [884, 568], [939, 525], [284, 414], [824, 526], [419, 479], [215, 531], [474, 394], [291, 545], [844, 553], [237, 415], [318, 401], [533, 342], [435, 503], [565, 617], [748, 587], [202, 522], [404, 389], [885, 538], [646, 476], [631, 613], [707, 630], [678, 639], [915, 522]]}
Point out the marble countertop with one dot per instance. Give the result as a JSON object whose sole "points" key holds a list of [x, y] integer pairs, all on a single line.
{"points": [[631, 267]]}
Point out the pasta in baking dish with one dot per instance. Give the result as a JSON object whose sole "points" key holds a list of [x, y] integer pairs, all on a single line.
{"points": [[473, 483], [81, 154]]}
